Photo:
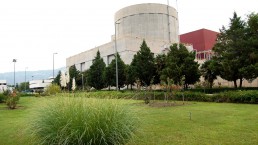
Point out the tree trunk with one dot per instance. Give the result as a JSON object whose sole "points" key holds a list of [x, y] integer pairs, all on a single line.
{"points": [[185, 86], [241, 82], [235, 83], [210, 83]]}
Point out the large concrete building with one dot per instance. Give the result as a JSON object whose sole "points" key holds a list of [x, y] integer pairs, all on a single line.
{"points": [[157, 24]]}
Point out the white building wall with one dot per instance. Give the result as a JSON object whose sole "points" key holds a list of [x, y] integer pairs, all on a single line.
{"points": [[34, 84], [3, 85]]}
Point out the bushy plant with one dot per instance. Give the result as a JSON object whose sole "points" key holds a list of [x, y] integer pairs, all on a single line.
{"points": [[238, 97], [221, 89], [52, 89], [191, 96], [84, 121], [2, 97], [12, 100]]}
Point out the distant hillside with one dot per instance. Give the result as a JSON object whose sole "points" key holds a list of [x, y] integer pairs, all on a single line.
{"points": [[20, 75]]}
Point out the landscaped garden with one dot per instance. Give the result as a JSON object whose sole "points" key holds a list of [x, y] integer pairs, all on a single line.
{"points": [[159, 122]]}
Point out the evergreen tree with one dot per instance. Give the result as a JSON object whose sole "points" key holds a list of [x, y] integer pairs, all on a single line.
{"points": [[73, 73], [57, 78], [232, 51], [96, 73], [159, 66], [130, 75], [143, 64], [109, 76], [250, 71], [111, 72], [180, 65]]}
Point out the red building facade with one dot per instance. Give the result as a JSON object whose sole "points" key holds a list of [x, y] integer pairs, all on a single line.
{"points": [[202, 40]]}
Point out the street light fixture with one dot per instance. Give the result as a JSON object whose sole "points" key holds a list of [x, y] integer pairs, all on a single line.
{"points": [[116, 58], [14, 61], [54, 65]]}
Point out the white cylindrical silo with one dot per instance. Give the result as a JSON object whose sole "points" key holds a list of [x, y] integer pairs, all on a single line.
{"points": [[154, 22]]}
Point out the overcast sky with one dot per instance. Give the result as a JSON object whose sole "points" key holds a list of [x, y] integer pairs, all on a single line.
{"points": [[32, 30]]}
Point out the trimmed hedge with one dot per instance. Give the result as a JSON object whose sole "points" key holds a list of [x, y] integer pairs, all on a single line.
{"points": [[218, 90], [250, 97], [239, 96]]}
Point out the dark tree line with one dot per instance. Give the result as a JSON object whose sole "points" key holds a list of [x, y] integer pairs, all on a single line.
{"points": [[144, 67]]}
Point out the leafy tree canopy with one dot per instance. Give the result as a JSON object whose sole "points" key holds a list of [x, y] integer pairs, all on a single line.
{"points": [[180, 65]]}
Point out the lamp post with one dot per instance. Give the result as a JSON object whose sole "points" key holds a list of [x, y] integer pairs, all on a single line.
{"points": [[25, 77], [54, 65], [14, 61], [116, 59], [82, 83]]}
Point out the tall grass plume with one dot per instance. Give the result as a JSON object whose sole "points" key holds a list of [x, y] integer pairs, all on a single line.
{"points": [[80, 121]]}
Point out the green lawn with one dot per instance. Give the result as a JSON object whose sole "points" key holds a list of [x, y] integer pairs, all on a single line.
{"points": [[211, 123]]}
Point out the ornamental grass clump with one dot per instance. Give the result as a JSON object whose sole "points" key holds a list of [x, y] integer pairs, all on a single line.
{"points": [[84, 121]]}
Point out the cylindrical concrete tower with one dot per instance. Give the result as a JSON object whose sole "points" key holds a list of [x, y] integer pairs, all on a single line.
{"points": [[150, 21]]}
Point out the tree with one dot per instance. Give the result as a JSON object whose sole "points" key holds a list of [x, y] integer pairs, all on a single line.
{"points": [[232, 51], [160, 60], [96, 73], [73, 73], [180, 64], [23, 86], [57, 79], [250, 71], [73, 85], [210, 71], [130, 75], [143, 64], [109, 76], [111, 72], [63, 80]]}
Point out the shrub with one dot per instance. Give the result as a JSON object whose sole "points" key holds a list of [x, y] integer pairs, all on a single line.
{"points": [[2, 97], [52, 89], [84, 121], [191, 96], [222, 89], [12, 100], [238, 97]]}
